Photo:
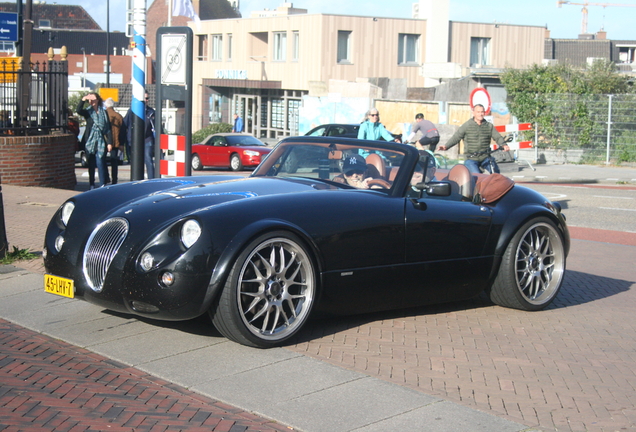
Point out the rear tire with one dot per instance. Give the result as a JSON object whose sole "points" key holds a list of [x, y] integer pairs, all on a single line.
{"points": [[532, 268], [196, 162], [269, 293]]}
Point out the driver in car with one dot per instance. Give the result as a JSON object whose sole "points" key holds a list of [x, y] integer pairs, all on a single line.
{"points": [[354, 170]]}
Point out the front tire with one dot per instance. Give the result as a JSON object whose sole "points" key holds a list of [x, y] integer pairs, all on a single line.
{"points": [[235, 163], [269, 293], [532, 268]]}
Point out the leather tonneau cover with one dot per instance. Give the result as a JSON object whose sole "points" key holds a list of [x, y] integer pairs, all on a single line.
{"points": [[491, 188]]}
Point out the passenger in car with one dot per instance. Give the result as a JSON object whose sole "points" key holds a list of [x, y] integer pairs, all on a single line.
{"points": [[354, 172]]}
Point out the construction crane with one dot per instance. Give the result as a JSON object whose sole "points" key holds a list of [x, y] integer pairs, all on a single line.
{"points": [[585, 4]]}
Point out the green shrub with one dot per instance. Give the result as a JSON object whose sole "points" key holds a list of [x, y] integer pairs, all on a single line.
{"points": [[214, 128], [17, 255]]}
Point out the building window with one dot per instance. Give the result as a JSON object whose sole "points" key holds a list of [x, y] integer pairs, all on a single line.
{"points": [[280, 46], [344, 47], [202, 47], [296, 45], [44, 23], [408, 49], [6, 47], [626, 54], [479, 51], [258, 46], [217, 47], [229, 46]]}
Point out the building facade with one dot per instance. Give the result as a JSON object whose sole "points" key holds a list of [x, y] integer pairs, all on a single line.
{"points": [[261, 67], [589, 47]]}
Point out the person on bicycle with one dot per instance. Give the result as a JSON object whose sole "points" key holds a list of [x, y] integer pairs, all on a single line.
{"points": [[372, 129], [427, 130], [477, 134]]}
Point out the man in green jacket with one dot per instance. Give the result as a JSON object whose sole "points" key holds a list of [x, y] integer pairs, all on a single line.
{"points": [[477, 134]]}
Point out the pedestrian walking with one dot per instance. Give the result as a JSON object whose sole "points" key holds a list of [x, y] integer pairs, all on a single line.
{"points": [[97, 136], [116, 149]]}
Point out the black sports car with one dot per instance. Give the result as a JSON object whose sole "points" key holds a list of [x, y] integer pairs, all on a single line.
{"points": [[359, 226]]}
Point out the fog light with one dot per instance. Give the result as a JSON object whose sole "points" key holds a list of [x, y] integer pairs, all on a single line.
{"points": [[59, 242], [146, 261], [143, 307], [167, 279]]}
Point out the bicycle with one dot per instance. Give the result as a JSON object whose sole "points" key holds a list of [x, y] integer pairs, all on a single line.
{"points": [[489, 165]]}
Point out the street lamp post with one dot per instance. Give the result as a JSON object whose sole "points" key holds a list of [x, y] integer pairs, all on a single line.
{"points": [[83, 67], [107, 43]]}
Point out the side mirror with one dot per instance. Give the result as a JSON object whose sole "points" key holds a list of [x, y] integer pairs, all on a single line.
{"points": [[437, 188]]}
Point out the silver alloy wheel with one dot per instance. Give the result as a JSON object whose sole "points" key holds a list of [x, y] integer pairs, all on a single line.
{"points": [[196, 162], [235, 162], [539, 263], [276, 289]]}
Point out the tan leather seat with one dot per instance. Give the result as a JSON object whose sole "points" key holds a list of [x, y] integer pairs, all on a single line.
{"points": [[461, 181], [375, 166]]}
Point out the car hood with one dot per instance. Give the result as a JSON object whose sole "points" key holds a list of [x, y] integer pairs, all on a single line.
{"points": [[153, 201]]}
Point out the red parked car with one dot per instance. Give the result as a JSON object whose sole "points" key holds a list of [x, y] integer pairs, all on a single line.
{"points": [[233, 150]]}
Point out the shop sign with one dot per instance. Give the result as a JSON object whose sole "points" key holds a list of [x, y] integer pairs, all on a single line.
{"points": [[231, 74]]}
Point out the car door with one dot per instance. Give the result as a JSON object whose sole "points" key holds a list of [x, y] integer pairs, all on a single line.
{"points": [[219, 152], [445, 243]]}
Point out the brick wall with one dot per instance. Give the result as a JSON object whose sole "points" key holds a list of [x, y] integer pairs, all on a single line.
{"points": [[44, 161]]}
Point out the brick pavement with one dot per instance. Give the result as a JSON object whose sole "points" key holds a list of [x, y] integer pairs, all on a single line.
{"points": [[570, 367], [50, 385]]}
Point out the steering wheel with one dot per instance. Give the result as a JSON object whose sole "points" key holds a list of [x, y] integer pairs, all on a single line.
{"points": [[379, 182]]}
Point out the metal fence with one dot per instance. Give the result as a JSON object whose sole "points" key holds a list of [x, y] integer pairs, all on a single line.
{"points": [[33, 101], [592, 128]]}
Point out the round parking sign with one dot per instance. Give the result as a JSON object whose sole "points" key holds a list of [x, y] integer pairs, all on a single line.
{"points": [[480, 96]]}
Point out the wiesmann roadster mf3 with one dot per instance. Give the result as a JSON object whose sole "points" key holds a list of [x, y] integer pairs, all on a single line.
{"points": [[323, 225]]}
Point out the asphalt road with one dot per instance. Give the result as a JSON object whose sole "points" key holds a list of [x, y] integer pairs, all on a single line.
{"points": [[594, 206]]}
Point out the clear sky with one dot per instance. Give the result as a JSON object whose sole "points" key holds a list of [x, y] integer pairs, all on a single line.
{"points": [[564, 22]]}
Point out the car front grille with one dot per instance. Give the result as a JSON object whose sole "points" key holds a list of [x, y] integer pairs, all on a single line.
{"points": [[100, 250]]}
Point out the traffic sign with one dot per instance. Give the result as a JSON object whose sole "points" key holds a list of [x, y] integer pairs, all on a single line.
{"points": [[173, 59], [480, 96], [8, 26]]}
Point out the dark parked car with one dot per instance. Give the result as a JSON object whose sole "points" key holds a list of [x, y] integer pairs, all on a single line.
{"points": [[233, 150], [261, 254], [342, 130]]}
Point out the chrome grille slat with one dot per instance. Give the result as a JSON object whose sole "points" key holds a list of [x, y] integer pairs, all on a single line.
{"points": [[101, 248]]}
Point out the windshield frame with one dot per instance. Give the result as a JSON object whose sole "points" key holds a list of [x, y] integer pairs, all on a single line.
{"points": [[409, 158]]}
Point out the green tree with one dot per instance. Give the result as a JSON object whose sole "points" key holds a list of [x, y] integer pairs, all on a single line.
{"points": [[550, 95]]}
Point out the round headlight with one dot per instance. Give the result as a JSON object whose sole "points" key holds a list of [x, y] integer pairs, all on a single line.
{"points": [[146, 261], [67, 211], [59, 242], [190, 232]]}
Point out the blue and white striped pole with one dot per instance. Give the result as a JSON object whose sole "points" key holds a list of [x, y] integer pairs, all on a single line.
{"points": [[138, 105]]}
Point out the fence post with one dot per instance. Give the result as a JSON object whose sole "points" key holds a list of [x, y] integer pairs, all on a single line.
{"points": [[609, 129], [4, 244]]}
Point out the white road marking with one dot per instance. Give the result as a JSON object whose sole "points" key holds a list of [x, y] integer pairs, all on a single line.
{"points": [[613, 208], [612, 197]]}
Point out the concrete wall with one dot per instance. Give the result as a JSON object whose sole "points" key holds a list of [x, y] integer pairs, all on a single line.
{"points": [[43, 161]]}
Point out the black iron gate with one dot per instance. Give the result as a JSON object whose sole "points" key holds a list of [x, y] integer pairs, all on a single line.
{"points": [[33, 101]]}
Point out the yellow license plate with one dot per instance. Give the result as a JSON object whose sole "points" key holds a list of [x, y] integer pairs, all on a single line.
{"points": [[59, 286]]}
